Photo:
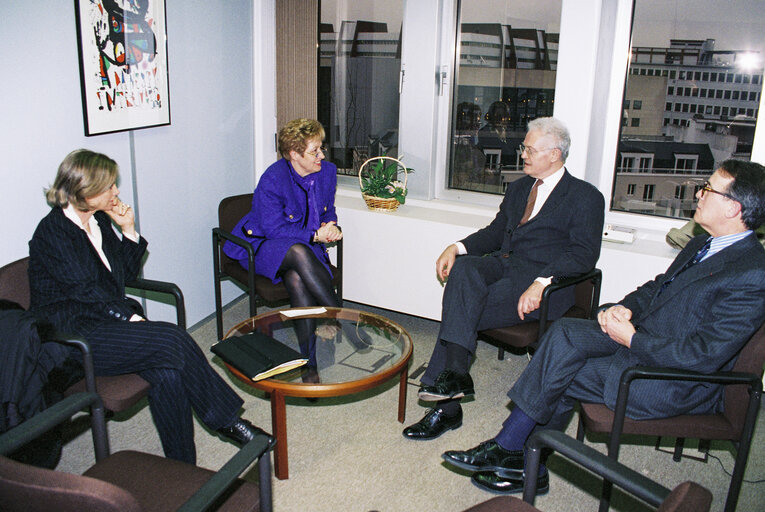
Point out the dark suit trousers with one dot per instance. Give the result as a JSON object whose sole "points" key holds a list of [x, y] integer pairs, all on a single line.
{"points": [[482, 292], [180, 376], [570, 365]]}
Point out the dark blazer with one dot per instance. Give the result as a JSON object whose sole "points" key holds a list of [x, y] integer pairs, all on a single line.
{"points": [[699, 322], [563, 239], [70, 286]]}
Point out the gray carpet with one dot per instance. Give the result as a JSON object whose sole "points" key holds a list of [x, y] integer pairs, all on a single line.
{"points": [[348, 454]]}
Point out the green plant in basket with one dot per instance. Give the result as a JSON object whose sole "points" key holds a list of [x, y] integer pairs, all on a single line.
{"points": [[382, 181]]}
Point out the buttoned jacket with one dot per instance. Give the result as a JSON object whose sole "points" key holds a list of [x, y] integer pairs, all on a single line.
{"points": [[70, 286]]}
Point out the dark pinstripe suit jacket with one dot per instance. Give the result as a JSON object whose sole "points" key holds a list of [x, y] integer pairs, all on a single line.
{"points": [[563, 239], [70, 286], [699, 322]]}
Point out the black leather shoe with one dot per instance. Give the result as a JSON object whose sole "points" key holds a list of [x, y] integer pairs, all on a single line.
{"points": [[487, 456], [449, 384], [507, 483], [242, 431], [435, 423]]}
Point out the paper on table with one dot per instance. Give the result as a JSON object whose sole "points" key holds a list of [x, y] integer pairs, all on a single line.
{"points": [[302, 312]]}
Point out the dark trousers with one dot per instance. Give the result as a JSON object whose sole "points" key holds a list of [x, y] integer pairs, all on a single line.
{"points": [[482, 292], [571, 364], [180, 376]]}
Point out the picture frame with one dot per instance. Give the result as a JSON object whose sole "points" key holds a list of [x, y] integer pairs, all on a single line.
{"points": [[122, 48]]}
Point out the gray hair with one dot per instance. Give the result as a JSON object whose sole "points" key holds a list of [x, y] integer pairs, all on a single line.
{"points": [[557, 130]]}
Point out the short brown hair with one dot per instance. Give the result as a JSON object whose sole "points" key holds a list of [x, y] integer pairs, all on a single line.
{"points": [[81, 175], [294, 136]]}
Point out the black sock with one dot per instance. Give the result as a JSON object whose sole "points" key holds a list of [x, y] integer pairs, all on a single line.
{"points": [[450, 407], [457, 357]]}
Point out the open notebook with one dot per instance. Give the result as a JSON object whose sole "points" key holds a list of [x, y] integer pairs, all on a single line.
{"points": [[257, 355]]}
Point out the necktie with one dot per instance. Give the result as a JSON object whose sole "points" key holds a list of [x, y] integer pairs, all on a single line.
{"points": [[530, 202], [697, 258]]}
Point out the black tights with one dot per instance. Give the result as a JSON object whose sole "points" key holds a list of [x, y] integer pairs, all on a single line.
{"points": [[309, 284]]}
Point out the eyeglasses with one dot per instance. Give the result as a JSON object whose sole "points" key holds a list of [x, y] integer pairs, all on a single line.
{"points": [[708, 188], [530, 150], [322, 149]]}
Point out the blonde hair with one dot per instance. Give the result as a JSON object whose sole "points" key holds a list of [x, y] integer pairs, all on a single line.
{"points": [[81, 175], [294, 136]]}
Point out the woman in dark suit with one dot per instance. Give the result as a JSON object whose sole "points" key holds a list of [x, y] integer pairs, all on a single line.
{"points": [[77, 272], [292, 217]]}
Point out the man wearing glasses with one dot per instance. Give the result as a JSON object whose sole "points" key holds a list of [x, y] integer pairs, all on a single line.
{"points": [[549, 226], [696, 316]]}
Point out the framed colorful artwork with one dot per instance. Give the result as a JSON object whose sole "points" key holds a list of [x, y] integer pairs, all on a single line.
{"points": [[123, 64]]}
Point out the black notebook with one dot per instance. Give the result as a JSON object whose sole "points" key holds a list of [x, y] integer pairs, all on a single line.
{"points": [[258, 355]]}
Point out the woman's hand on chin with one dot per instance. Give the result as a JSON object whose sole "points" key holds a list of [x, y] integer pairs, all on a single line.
{"points": [[124, 216]]}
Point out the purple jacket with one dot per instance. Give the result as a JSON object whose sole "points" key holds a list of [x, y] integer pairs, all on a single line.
{"points": [[286, 209]]}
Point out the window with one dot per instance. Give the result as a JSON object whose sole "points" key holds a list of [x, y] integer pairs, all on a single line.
{"points": [[505, 77], [631, 189], [694, 54], [686, 162], [359, 114], [637, 104]]}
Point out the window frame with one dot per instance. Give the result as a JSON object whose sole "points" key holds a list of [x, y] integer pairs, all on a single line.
{"points": [[593, 52]]}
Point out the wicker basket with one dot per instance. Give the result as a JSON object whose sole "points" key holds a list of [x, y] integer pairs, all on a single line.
{"points": [[383, 204]]}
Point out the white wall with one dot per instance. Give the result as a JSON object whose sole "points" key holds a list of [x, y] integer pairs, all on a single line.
{"points": [[182, 170], [390, 258]]}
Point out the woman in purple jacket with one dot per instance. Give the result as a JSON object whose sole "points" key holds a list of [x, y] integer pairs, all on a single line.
{"points": [[292, 217]]}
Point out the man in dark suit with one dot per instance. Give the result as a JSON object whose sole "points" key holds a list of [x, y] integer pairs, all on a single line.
{"points": [[78, 267], [696, 316], [548, 226]]}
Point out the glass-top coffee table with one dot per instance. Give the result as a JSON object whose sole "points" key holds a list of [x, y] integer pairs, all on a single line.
{"points": [[351, 351]]}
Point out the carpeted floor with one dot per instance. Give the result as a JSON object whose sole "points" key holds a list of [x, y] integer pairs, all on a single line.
{"points": [[348, 454]]}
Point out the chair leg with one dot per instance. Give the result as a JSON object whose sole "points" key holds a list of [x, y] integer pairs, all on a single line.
{"points": [[501, 354], [678, 454], [264, 481], [218, 307], [605, 497], [704, 445], [253, 302], [580, 429]]}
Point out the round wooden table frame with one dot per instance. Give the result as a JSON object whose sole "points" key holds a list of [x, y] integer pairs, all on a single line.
{"points": [[278, 389]]}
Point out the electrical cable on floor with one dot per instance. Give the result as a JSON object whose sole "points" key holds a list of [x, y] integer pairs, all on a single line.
{"points": [[731, 475]]}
